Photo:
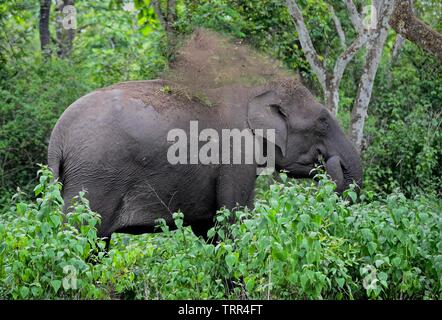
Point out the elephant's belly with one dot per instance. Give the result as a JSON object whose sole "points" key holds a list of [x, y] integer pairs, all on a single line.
{"points": [[159, 197]]}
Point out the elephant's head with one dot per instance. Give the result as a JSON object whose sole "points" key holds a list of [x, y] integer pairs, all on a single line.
{"points": [[304, 130]]}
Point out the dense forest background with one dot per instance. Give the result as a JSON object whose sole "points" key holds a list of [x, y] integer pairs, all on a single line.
{"points": [[302, 240]]}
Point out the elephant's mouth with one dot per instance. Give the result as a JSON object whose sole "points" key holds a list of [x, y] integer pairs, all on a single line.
{"points": [[338, 167], [305, 168], [333, 166], [300, 171]]}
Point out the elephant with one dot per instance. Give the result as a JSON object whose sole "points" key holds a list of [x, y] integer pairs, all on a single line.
{"points": [[114, 144]]}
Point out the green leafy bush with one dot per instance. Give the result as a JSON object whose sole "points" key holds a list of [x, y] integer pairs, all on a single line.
{"points": [[30, 104], [175, 265], [306, 242], [302, 241], [46, 254], [118, 45], [217, 15], [405, 141], [43, 253]]}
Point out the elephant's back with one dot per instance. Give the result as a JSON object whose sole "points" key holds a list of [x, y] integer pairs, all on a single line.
{"points": [[127, 122], [164, 96], [160, 97], [124, 123], [124, 106]]}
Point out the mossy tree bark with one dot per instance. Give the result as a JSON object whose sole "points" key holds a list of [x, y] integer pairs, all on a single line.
{"points": [[404, 22]]}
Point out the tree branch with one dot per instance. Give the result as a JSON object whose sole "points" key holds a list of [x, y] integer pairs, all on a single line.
{"points": [[372, 59], [404, 22], [171, 16], [355, 18], [398, 44], [346, 56], [65, 33], [338, 26], [307, 44]]}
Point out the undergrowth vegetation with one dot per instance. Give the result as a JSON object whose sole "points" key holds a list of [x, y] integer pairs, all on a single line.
{"points": [[302, 241]]}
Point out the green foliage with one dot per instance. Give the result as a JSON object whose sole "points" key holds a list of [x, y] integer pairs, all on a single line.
{"points": [[264, 24], [34, 92], [30, 104], [117, 45], [43, 253], [174, 265], [405, 148], [16, 20], [217, 15], [400, 245], [306, 242], [302, 241]]}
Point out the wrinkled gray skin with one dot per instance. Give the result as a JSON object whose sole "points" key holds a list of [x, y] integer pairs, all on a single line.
{"points": [[112, 143]]}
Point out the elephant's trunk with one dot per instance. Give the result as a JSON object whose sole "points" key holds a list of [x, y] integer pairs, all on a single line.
{"points": [[334, 169], [343, 163]]}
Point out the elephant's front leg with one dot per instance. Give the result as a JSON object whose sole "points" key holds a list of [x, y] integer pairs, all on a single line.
{"points": [[234, 189], [236, 186]]}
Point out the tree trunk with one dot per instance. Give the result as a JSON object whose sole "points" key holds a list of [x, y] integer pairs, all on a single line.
{"points": [[406, 24], [332, 94], [372, 59], [167, 21], [398, 44], [66, 26], [338, 25], [155, 4], [45, 36]]}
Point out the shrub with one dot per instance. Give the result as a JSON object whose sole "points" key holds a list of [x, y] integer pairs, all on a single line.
{"points": [[406, 153], [44, 254], [30, 104], [406, 141], [302, 241], [131, 47], [306, 242]]}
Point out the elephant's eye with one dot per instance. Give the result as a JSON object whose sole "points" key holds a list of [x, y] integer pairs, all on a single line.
{"points": [[322, 125], [278, 109]]}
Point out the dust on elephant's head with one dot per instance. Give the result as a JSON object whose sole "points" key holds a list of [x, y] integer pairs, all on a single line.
{"points": [[304, 131]]}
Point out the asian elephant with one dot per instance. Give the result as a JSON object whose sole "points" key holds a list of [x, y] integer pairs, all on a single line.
{"points": [[114, 144]]}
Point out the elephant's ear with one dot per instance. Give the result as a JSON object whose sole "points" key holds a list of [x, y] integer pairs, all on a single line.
{"points": [[264, 112]]}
